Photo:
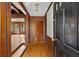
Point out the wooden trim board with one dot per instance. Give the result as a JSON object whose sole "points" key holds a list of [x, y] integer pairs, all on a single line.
{"points": [[17, 48]]}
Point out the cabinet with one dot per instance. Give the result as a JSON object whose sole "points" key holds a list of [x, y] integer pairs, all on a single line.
{"points": [[70, 31], [67, 27], [18, 27]]}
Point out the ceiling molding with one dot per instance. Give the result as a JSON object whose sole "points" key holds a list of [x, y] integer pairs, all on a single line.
{"points": [[22, 5], [16, 8], [48, 7]]}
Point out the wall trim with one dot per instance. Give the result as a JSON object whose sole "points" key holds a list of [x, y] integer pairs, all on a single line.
{"points": [[17, 48], [48, 8]]}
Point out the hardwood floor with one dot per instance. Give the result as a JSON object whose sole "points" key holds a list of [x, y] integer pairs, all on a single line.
{"points": [[38, 50]]}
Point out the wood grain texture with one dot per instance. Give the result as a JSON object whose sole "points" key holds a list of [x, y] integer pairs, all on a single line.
{"points": [[8, 22], [0, 29], [38, 50], [50, 42], [5, 10], [3, 30], [37, 29]]}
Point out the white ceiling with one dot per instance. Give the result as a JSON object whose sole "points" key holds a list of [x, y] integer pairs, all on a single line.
{"points": [[42, 8], [31, 8]]}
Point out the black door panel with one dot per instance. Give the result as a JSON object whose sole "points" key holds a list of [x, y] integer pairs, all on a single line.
{"points": [[70, 35]]}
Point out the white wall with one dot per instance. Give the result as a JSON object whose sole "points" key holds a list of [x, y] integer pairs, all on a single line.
{"points": [[16, 40], [50, 22]]}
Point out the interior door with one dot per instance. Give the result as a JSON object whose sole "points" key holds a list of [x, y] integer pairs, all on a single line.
{"points": [[39, 31]]}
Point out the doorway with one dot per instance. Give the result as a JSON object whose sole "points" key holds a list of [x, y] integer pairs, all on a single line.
{"points": [[37, 29]]}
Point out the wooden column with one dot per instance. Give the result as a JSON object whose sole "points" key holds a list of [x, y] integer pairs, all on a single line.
{"points": [[0, 29], [5, 29], [8, 21]]}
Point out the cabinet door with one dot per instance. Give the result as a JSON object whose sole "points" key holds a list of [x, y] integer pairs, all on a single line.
{"points": [[59, 26], [70, 35], [78, 26]]}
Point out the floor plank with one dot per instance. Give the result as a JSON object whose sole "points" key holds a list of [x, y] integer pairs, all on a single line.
{"points": [[38, 50]]}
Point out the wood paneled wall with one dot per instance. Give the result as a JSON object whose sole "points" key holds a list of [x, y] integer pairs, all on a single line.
{"points": [[0, 29], [34, 20], [5, 29], [51, 45], [8, 22]]}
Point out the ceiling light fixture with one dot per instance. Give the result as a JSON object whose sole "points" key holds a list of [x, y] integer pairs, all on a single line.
{"points": [[36, 5]]}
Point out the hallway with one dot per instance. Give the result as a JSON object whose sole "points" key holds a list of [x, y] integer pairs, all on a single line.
{"points": [[39, 29], [27, 32]]}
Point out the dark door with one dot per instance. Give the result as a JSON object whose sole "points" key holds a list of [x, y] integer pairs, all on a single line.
{"points": [[78, 26], [70, 36]]}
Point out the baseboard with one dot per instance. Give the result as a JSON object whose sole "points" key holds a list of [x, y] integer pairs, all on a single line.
{"points": [[17, 48], [24, 51]]}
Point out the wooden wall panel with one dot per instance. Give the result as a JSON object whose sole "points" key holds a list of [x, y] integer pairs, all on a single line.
{"points": [[51, 45], [8, 21], [4, 29], [0, 29], [34, 27]]}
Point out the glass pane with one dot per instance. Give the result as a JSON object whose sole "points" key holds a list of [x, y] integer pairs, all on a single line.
{"points": [[22, 27], [16, 28]]}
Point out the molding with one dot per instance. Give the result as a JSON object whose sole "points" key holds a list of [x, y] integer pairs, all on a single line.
{"points": [[48, 8], [24, 51], [17, 48], [46, 21], [22, 5], [47, 37], [17, 8], [36, 16]]}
